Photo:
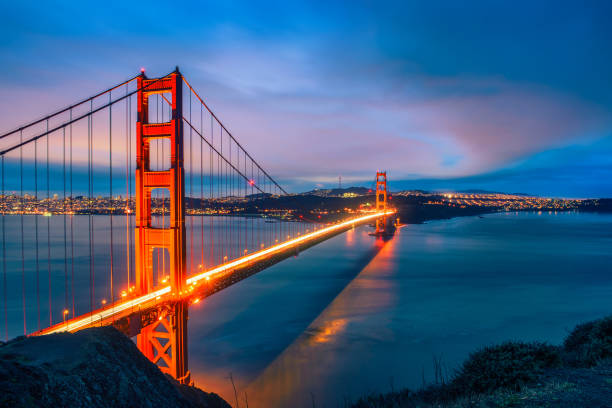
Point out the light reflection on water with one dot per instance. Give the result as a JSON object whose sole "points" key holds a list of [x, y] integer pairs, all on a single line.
{"points": [[299, 367], [352, 315]]}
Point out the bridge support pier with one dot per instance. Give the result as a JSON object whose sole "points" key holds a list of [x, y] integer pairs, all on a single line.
{"points": [[163, 341]]}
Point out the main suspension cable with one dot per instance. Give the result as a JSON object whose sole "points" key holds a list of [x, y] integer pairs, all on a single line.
{"points": [[66, 109]]}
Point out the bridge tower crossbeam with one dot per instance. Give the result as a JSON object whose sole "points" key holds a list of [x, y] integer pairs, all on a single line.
{"points": [[163, 341]]}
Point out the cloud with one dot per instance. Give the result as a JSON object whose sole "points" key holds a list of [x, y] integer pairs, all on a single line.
{"points": [[308, 123], [314, 92]]}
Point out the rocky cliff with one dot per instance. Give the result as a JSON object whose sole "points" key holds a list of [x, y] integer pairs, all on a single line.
{"points": [[98, 367]]}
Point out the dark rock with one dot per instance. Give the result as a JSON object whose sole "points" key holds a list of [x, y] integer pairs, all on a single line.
{"points": [[97, 367]]}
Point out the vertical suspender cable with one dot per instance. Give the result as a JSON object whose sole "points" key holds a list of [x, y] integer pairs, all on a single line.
{"points": [[90, 200], [36, 227], [93, 224], [4, 256], [163, 194], [219, 204], [228, 193], [49, 233], [156, 197], [239, 247], [211, 195], [201, 187], [223, 185], [227, 219], [71, 225], [110, 188], [127, 187], [190, 187], [270, 227], [234, 244], [231, 219], [258, 219], [21, 219], [221, 243], [64, 215], [246, 205], [251, 182], [130, 180]]}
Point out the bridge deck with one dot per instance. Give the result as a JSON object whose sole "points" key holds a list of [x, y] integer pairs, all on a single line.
{"points": [[130, 314]]}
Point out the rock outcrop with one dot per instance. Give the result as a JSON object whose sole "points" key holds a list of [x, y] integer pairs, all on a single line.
{"points": [[97, 367]]}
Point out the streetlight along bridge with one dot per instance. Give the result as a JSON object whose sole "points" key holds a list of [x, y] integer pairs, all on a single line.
{"points": [[169, 179]]}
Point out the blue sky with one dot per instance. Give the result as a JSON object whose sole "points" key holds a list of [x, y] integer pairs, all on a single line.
{"points": [[510, 96]]}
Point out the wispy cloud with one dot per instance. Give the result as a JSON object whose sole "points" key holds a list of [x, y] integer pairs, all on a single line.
{"points": [[314, 92]]}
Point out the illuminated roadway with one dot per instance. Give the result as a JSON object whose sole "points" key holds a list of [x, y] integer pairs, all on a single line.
{"points": [[199, 285]]}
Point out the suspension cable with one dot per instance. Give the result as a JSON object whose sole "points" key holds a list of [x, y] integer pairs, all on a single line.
{"points": [[66, 109], [229, 133], [219, 155], [71, 121]]}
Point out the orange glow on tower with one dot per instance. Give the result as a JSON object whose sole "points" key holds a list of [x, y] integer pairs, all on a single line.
{"points": [[163, 340]]}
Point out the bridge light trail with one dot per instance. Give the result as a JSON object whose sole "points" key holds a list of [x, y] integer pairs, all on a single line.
{"points": [[118, 308], [287, 244]]}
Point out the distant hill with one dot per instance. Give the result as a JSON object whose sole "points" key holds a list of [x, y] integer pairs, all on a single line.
{"points": [[338, 192], [415, 191], [478, 191], [258, 196]]}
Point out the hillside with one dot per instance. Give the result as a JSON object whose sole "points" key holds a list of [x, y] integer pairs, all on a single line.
{"points": [[97, 367]]}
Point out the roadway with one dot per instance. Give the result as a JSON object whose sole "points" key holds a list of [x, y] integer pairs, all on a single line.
{"points": [[131, 313]]}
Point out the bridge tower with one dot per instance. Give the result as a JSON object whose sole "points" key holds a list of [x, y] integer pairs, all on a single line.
{"points": [[381, 201], [163, 338]]}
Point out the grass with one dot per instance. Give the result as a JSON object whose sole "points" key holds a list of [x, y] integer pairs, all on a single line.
{"points": [[503, 369], [589, 343], [509, 365]]}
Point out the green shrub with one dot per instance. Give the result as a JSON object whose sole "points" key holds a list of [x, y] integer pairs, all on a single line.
{"points": [[590, 342], [508, 365]]}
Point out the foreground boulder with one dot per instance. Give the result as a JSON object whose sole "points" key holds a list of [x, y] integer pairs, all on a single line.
{"points": [[97, 367]]}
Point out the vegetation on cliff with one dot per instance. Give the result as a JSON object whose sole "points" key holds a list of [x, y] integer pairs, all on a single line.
{"points": [[577, 373]]}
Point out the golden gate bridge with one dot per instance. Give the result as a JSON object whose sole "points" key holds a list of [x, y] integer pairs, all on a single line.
{"points": [[170, 180]]}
